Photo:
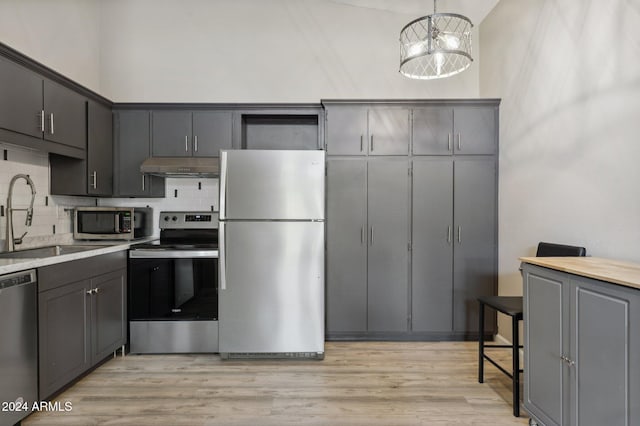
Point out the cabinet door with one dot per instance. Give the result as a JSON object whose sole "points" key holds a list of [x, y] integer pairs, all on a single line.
{"points": [[100, 150], [388, 131], [347, 245], [171, 136], [211, 132], [475, 130], [346, 130], [64, 341], [432, 245], [108, 314], [433, 131], [20, 99], [475, 244], [546, 311], [601, 317], [65, 116], [388, 263], [132, 147]]}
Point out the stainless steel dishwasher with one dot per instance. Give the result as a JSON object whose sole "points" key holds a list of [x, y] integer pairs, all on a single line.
{"points": [[18, 345]]}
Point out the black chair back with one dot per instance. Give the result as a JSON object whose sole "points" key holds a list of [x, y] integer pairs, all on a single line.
{"points": [[552, 250]]}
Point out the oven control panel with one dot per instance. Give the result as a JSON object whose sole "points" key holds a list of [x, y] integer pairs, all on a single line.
{"points": [[188, 220]]}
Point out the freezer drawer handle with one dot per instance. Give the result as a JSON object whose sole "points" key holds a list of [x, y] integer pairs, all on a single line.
{"points": [[222, 254]]}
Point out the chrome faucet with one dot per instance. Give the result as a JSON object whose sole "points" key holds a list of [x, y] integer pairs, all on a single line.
{"points": [[11, 241]]}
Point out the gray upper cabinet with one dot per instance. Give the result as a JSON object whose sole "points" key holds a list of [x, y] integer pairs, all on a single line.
{"points": [[100, 149], [132, 147], [361, 130], [581, 351], [93, 176], [432, 241], [475, 130], [388, 131], [171, 134], [432, 130], [20, 99], [475, 240], [388, 213], [212, 131], [40, 113], [347, 245], [446, 130], [346, 130], [65, 116], [186, 133]]}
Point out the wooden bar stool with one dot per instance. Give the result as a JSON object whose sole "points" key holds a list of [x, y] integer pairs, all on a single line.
{"points": [[512, 306]]}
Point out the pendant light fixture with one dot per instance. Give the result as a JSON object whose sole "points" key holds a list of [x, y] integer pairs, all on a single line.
{"points": [[435, 46]]}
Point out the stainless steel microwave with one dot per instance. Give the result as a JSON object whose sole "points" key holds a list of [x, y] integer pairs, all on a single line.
{"points": [[103, 223]]}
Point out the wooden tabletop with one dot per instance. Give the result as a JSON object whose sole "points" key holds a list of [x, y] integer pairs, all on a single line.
{"points": [[613, 271]]}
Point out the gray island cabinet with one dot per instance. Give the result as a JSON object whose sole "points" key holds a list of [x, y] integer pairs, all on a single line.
{"points": [[581, 349]]}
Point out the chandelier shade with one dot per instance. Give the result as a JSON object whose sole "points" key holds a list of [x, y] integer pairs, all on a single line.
{"points": [[435, 46]]}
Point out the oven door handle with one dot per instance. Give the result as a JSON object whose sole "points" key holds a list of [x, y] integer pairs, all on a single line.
{"points": [[223, 257], [172, 254]]}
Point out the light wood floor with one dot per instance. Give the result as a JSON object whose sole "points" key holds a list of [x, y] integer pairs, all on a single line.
{"points": [[365, 383]]}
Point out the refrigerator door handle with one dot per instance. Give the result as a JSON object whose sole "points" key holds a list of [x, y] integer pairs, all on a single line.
{"points": [[222, 256], [223, 185]]}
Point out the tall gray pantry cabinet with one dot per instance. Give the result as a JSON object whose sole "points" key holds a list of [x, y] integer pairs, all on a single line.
{"points": [[411, 217]]}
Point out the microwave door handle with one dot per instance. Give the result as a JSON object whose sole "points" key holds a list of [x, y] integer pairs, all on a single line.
{"points": [[222, 256], [116, 226]]}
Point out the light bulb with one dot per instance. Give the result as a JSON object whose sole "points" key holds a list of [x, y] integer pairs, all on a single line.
{"points": [[451, 42], [439, 60], [416, 49]]}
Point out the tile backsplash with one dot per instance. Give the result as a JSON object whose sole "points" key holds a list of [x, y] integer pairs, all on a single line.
{"points": [[52, 217]]}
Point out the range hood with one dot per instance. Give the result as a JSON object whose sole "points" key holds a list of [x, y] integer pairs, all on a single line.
{"points": [[207, 167]]}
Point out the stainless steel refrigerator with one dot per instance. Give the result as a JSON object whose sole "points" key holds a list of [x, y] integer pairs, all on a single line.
{"points": [[271, 236]]}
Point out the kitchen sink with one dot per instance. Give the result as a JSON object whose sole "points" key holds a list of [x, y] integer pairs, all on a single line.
{"points": [[49, 251]]}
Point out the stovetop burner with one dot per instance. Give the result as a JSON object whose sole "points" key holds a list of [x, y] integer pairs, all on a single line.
{"points": [[159, 244]]}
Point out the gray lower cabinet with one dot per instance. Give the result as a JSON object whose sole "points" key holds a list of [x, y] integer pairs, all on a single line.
{"points": [[367, 246], [81, 319], [582, 355], [187, 133], [463, 129], [454, 243], [361, 129], [132, 145]]}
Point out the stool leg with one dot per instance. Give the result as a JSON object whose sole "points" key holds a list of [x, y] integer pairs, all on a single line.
{"points": [[481, 344], [516, 365]]}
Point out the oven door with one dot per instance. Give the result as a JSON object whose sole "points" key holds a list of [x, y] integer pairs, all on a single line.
{"points": [[173, 301], [173, 284]]}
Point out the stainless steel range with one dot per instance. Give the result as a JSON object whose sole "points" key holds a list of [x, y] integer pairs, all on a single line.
{"points": [[173, 287]]}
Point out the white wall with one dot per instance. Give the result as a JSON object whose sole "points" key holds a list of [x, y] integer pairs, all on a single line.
{"points": [[61, 34], [569, 77], [258, 51]]}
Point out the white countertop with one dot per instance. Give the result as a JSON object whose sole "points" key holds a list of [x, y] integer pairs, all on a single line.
{"points": [[8, 266]]}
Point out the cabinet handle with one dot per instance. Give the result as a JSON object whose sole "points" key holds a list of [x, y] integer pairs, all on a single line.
{"points": [[371, 143], [459, 142], [96, 290], [90, 292], [448, 141], [459, 234], [195, 143], [186, 143], [361, 142], [41, 121], [142, 183], [94, 177], [449, 234], [51, 123], [371, 237]]}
